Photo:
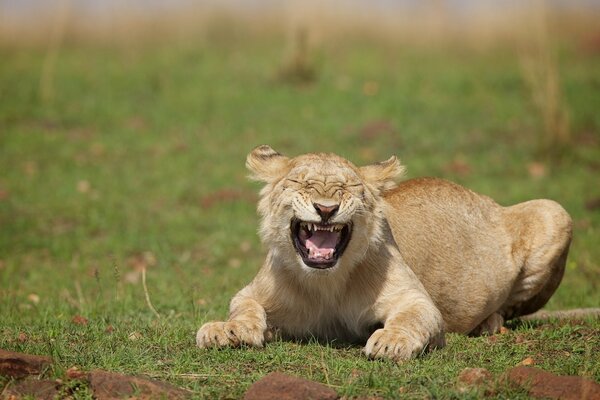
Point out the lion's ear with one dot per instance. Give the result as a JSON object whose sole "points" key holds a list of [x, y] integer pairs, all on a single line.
{"points": [[385, 174], [266, 165]]}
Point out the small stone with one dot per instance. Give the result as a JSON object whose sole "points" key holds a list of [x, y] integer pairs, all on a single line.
{"points": [[135, 336], [474, 377], [519, 339], [504, 330], [527, 362], [536, 170], [108, 386], [544, 384], [83, 186], [34, 298], [32, 389], [278, 386], [79, 320], [22, 338]]}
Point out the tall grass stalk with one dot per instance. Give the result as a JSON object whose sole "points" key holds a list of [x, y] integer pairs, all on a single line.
{"points": [[539, 68], [46, 86]]}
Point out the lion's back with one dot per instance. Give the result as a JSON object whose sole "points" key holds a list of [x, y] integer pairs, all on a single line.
{"points": [[455, 241]]}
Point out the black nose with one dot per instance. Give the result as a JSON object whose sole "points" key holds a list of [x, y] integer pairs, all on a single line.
{"points": [[326, 212]]}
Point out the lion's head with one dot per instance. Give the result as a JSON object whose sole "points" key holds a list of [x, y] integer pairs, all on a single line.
{"points": [[319, 210]]}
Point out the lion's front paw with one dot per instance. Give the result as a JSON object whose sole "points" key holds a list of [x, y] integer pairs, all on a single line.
{"points": [[230, 333], [394, 344]]}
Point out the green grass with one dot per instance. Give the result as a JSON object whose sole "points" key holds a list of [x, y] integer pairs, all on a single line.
{"points": [[138, 160]]}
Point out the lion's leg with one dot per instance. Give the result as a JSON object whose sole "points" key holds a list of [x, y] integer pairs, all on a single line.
{"points": [[533, 291], [247, 324], [542, 242], [413, 325], [489, 326]]}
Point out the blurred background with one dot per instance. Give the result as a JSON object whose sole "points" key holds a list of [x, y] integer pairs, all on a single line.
{"points": [[124, 128]]}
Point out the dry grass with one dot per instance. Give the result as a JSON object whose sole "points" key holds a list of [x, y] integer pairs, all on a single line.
{"points": [[298, 67], [541, 75], [431, 23]]}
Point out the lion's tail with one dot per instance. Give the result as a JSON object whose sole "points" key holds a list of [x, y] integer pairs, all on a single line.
{"points": [[563, 315]]}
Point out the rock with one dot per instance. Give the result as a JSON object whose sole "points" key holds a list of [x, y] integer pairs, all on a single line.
{"points": [[76, 373], [79, 320], [108, 386], [278, 386], [18, 365], [544, 384], [527, 362], [474, 376], [32, 388]]}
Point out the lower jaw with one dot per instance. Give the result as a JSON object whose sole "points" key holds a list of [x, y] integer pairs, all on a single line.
{"points": [[319, 265]]}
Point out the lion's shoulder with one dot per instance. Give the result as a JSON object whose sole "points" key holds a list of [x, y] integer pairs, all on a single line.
{"points": [[429, 190]]}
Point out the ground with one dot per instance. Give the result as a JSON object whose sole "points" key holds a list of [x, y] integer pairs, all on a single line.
{"points": [[134, 160]]}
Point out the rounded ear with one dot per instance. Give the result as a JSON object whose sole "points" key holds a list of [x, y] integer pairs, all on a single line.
{"points": [[266, 165], [385, 174]]}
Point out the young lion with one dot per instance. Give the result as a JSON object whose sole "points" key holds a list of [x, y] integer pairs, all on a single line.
{"points": [[353, 255]]}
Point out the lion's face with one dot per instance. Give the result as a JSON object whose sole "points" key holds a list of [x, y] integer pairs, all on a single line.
{"points": [[319, 210]]}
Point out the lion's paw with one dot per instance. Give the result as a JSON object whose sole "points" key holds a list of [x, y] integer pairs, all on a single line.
{"points": [[230, 333], [394, 344]]}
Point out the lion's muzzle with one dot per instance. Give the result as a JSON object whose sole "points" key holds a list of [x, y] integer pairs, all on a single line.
{"points": [[320, 245]]}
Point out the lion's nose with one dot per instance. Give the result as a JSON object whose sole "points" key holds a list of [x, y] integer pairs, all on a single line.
{"points": [[326, 212]]}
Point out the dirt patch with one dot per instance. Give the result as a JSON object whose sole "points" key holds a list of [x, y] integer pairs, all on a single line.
{"points": [[109, 385], [544, 384], [79, 320], [278, 386], [18, 365], [459, 166], [593, 204], [226, 196], [375, 129]]}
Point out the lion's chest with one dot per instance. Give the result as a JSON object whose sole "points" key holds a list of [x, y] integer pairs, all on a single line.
{"points": [[323, 316]]}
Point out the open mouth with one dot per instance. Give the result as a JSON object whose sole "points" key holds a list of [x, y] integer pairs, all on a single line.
{"points": [[320, 245]]}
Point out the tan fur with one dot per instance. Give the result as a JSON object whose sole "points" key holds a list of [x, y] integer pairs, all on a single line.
{"points": [[425, 256]]}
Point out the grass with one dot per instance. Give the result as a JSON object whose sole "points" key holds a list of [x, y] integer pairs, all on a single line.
{"points": [[137, 162]]}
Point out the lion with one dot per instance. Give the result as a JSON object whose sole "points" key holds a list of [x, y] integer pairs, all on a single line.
{"points": [[356, 256]]}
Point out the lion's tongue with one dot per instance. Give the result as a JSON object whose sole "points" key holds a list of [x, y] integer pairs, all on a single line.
{"points": [[321, 244]]}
